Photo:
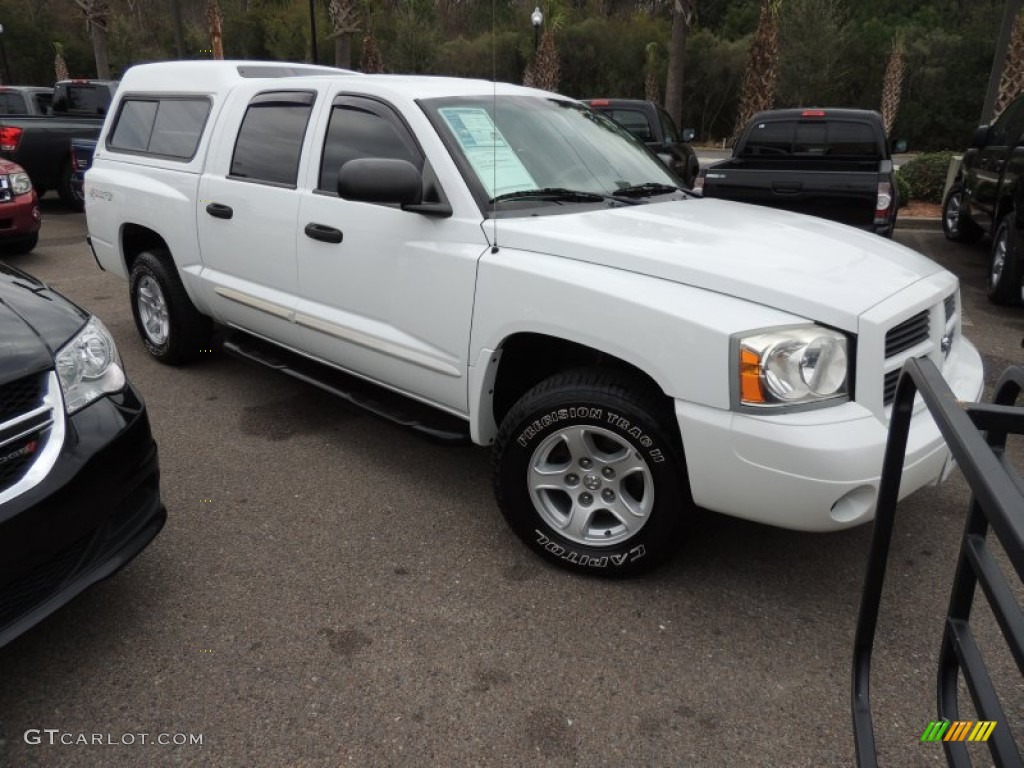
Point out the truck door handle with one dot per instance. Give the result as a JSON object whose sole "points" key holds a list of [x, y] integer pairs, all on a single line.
{"points": [[787, 188], [219, 211], [323, 233]]}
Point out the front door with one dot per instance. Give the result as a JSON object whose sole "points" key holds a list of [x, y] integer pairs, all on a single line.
{"points": [[385, 293]]}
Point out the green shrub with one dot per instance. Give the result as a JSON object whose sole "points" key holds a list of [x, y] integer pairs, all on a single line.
{"points": [[926, 175], [903, 189]]}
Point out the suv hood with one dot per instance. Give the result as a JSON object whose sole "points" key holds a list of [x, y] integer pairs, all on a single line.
{"points": [[806, 266], [34, 323]]}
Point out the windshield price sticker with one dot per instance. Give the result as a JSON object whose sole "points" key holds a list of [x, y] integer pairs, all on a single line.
{"points": [[495, 162]]}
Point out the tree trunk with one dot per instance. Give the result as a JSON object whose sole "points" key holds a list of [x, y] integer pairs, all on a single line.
{"points": [[213, 16], [179, 32], [99, 47], [677, 61], [343, 51]]}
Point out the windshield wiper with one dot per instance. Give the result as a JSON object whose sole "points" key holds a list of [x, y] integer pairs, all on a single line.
{"points": [[647, 189], [561, 195]]}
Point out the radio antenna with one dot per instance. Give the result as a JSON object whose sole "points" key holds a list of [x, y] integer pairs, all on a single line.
{"points": [[494, 133]]}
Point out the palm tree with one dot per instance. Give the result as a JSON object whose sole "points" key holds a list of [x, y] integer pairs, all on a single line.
{"points": [[1011, 84], [216, 21], [892, 87], [543, 72], [60, 67], [651, 92], [682, 15], [96, 20], [372, 62], [344, 22], [762, 73]]}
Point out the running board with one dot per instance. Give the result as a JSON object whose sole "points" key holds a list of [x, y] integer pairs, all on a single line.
{"points": [[435, 424]]}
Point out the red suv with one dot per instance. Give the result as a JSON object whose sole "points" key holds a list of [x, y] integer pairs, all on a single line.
{"points": [[19, 210]]}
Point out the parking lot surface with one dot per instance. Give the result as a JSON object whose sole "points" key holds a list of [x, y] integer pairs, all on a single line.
{"points": [[332, 590]]}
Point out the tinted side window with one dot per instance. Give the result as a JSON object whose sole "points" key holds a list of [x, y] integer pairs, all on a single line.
{"points": [[363, 129], [1008, 128], [270, 139], [770, 139], [12, 103], [134, 125], [166, 127], [633, 121]]}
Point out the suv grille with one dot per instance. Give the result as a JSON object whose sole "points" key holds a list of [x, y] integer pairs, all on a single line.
{"points": [[31, 431], [21, 395], [907, 334], [5, 189]]}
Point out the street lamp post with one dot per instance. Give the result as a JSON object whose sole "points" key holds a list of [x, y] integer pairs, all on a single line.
{"points": [[3, 51], [537, 18]]}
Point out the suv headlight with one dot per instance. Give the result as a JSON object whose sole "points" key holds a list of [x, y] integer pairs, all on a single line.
{"points": [[21, 184], [794, 366], [89, 367]]}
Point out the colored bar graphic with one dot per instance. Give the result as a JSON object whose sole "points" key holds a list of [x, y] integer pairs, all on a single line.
{"points": [[958, 730]]}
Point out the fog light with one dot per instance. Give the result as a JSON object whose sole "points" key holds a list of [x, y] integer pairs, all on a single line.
{"points": [[855, 505]]}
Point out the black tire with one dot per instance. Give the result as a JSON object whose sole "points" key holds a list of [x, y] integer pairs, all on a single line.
{"points": [[616, 415], [21, 245], [70, 196], [183, 333], [956, 224], [1006, 264]]}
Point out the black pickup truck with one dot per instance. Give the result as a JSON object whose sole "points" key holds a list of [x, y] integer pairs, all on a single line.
{"points": [[41, 144], [987, 197], [831, 163]]}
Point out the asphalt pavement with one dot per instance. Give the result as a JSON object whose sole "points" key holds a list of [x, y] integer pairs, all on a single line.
{"points": [[332, 590]]}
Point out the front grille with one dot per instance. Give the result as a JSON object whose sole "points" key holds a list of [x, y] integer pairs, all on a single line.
{"points": [[24, 593], [21, 395], [16, 458], [950, 306], [907, 334], [5, 189], [889, 386]]}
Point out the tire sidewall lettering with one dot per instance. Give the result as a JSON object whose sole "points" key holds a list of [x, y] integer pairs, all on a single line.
{"points": [[598, 416]]}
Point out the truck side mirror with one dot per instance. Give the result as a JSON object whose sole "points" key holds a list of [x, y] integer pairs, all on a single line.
{"points": [[688, 134], [380, 180], [982, 136]]}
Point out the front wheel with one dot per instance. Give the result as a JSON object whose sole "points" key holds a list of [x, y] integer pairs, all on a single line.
{"points": [[956, 224], [588, 473], [172, 329], [1006, 270]]}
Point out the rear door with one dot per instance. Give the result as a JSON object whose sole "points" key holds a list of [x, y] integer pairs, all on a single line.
{"points": [[990, 163]]}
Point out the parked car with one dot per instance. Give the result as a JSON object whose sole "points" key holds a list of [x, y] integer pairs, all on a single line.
{"points": [[987, 198], [528, 277], [650, 123], [41, 144], [831, 163], [25, 100], [19, 210], [79, 481]]}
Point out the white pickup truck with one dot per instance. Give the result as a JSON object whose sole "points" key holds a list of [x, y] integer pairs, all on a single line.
{"points": [[504, 264]]}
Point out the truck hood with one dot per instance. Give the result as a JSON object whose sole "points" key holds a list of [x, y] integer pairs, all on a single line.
{"points": [[34, 323], [810, 267]]}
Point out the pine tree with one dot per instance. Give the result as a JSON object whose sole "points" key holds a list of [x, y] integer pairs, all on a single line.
{"points": [[762, 75], [96, 12], [543, 72], [892, 87], [1012, 82], [372, 62]]}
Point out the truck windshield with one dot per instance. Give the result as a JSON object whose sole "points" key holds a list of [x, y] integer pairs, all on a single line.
{"points": [[534, 145]]}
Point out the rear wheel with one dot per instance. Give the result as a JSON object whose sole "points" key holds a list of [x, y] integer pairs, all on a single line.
{"points": [[588, 475], [956, 224], [172, 329], [1006, 265]]}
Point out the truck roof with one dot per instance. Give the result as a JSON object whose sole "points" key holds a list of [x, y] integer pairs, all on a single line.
{"points": [[215, 76], [839, 113]]}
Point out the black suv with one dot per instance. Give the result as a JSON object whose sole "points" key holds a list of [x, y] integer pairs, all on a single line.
{"points": [[79, 482], [987, 198]]}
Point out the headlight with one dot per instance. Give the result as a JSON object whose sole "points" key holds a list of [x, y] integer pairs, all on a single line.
{"points": [[21, 184], [792, 366], [89, 367]]}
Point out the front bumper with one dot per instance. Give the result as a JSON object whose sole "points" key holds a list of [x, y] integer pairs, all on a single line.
{"points": [[96, 510], [815, 470], [19, 217]]}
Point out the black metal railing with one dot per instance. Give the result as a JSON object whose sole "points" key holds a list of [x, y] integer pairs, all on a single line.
{"points": [[976, 434]]}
